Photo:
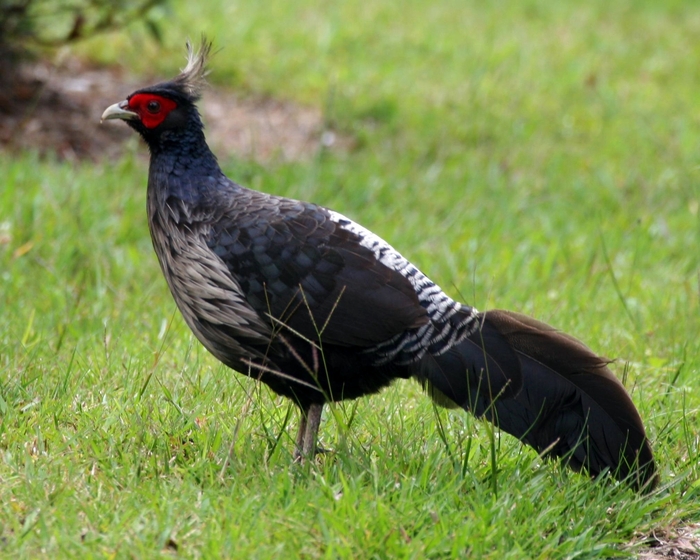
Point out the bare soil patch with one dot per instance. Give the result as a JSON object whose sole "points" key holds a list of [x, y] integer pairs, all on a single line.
{"points": [[672, 543], [57, 109]]}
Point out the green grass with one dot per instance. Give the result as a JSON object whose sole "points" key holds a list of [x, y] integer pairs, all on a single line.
{"points": [[536, 156]]}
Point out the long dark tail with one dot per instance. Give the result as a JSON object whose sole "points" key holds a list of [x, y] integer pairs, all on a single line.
{"points": [[547, 389]]}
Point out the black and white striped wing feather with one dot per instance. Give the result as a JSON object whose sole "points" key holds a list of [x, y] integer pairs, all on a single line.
{"points": [[449, 321]]}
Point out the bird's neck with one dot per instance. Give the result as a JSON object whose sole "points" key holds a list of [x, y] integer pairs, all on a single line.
{"points": [[183, 167], [183, 149]]}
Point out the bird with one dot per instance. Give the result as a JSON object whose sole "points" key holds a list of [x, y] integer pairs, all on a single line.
{"points": [[320, 309]]}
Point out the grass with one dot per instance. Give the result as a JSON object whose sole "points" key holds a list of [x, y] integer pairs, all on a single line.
{"points": [[536, 156]]}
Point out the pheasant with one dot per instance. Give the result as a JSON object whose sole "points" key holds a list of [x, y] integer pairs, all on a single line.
{"points": [[320, 309]]}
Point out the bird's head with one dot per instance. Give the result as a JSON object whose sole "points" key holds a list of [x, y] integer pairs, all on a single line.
{"points": [[166, 106]]}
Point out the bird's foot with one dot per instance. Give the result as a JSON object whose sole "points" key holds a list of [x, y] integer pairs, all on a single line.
{"points": [[300, 457]]}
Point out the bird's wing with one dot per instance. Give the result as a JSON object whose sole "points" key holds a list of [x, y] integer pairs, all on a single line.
{"points": [[298, 266]]}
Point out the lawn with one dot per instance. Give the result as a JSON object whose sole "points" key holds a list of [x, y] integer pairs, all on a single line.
{"points": [[537, 156]]}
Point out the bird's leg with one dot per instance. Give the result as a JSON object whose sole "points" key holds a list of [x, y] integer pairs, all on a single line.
{"points": [[313, 421], [299, 445], [308, 432]]}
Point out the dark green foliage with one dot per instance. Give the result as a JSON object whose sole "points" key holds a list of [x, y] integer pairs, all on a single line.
{"points": [[25, 24]]}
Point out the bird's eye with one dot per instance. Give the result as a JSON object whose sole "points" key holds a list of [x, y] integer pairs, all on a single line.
{"points": [[153, 106]]}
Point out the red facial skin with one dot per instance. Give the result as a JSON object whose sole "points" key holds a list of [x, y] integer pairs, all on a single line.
{"points": [[152, 109]]}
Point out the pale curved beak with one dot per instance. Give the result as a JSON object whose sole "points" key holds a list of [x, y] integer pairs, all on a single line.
{"points": [[118, 111]]}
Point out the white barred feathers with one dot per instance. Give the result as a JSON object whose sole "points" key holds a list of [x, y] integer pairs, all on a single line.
{"points": [[447, 325]]}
